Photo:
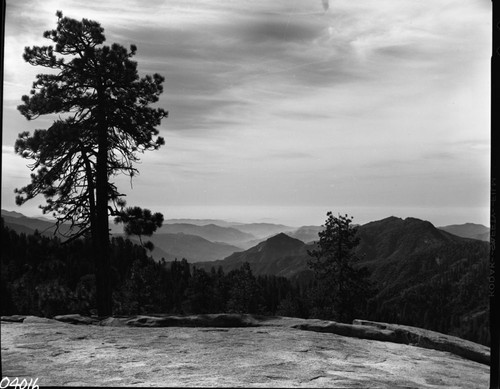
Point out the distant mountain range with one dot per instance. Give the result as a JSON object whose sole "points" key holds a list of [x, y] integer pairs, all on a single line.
{"points": [[191, 247], [469, 230], [167, 245], [423, 274], [259, 230], [264, 230], [206, 240], [306, 234], [13, 214], [211, 232], [201, 222], [22, 224], [382, 243]]}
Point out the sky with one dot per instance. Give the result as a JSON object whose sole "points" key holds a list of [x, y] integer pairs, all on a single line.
{"points": [[280, 111]]}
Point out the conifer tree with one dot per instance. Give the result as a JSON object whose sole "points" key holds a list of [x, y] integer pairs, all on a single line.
{"points": [[104, 120], [342, 289]]}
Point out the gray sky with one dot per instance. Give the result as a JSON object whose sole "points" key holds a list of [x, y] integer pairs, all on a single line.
{"points": [[283, 110]]}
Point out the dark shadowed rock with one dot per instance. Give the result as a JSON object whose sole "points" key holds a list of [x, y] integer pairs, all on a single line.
{"points": [[14, 318], [209, 320], [76, 319], [352, 330]]}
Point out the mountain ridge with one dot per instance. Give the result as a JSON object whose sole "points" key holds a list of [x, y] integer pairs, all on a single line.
{"points": [[211, 232], [424, 276], [279, 255], [191, 247], [468, 230]]}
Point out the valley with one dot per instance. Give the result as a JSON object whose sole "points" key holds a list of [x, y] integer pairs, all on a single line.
{"points": [[424, 276]]}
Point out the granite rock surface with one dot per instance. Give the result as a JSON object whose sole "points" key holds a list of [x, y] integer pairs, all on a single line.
{"points": [[224, 351]]}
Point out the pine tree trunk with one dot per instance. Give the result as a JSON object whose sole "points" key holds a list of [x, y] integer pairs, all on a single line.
{"points": [[95, 233], [103, 266]]}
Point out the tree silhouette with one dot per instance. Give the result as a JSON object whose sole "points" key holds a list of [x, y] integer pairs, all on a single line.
{"points": [[104, 121], [138, 221], [342, 289]]}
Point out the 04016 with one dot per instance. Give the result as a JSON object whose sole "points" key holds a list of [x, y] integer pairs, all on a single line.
{"points": [[17, 383]]}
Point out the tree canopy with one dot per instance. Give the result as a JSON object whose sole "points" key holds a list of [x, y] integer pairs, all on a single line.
{"points": [[138, 221], [342, 288], [104, 119]]}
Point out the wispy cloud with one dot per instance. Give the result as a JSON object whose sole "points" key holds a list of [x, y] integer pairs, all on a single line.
{"points": [[270, 99]]}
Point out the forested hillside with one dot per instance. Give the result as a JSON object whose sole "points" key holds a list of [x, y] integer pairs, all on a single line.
{"points": [[424, 277], [42, 276], [427, 277], [279, 255]]}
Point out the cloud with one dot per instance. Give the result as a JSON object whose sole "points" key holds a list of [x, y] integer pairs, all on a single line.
{"points": [[276, 29], [270, 99]]}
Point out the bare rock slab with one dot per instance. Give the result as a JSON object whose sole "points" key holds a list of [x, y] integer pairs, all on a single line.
{"points": [[62, 354], [431, 339], [414, 336]]}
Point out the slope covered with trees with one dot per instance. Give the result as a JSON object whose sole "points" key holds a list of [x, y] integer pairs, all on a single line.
{"points": [[42, 276], [279, 255], [424, 276], [438, 285]]}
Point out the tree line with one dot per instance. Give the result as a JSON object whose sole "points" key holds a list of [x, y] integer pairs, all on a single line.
{"points": [[43, 276]]}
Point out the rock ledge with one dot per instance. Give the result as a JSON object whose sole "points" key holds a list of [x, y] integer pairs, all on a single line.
{"points": [[225, 351], [361, 329]]}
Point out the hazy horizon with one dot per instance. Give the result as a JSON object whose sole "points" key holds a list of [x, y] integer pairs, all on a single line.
{"points": [[281, 111], [306, 216]]}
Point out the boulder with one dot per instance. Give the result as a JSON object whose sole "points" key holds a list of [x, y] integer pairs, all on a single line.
{"points": [[76, 319], [14, 318], [435, 340], [38, 320], [351, 330], [114, 322], [208, 320]]}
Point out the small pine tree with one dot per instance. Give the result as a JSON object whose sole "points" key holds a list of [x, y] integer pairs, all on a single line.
{"points": [[342, 290]]}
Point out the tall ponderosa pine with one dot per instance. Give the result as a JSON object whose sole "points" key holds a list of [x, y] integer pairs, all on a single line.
{"points": [[104, 120], [342, 289]]}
